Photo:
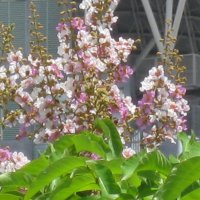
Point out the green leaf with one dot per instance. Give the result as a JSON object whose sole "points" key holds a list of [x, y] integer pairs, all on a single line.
{"points": [[109, 129], [15, 180], [183, 137], [191, 147], [86, 198], [173, 159], [35, 166], [192, 195], [84, 182], [129, 167], [58, 168], [155, 161], [90, 142], [106, 180], [195, 185], [9, 197], [146, 190], [59, 146], [85, 141], [181, 176], [24, 176], [114, 165]]}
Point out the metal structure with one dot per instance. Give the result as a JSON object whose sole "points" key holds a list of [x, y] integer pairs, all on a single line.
{"points": [[145, 19]]}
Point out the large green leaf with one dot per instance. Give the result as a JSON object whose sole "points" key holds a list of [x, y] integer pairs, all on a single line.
{"points": [[84, 182], [192, 195], [91, 143], [58, 168], [146, 189], [155, 161], [114, 165], [106, 179], [9, 197], [129, 166], [59, 146], [75, 197], [35, 166], [85, 141], [181, 176], [191, 147], [109, 129], [24, 176]]}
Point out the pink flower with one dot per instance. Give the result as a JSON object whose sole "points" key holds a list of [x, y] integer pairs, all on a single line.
{"points": [[34, 72], [179, 92], [94, 156], [57, 71], [123, 73], [61, 26], [83, 97], [69, 126], [23, 132], [78, 23], [148, 97], [54, 136], [124, 112], [143, 122], [5, 155], [128, 153]]}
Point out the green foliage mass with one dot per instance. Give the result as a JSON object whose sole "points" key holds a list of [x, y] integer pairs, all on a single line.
{"points": [[65, 171]]}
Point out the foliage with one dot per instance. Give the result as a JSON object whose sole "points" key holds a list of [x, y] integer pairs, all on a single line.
{"points": [[67, 170]]}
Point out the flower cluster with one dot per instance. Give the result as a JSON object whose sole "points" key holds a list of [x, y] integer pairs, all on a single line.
{"points": [[162, 109], [66, 94], [11, 161]]}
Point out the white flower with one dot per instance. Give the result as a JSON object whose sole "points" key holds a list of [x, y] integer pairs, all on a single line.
{"points": [[100, 65], [85, 4], [19, 159], [62, 49], [128, 153], [69, 126], [7, 166], [2, 72], [2, 86], [147, 84], [35, 92], [12, 68], [152, 118], [24, 69], [115, 90], [93, 111], [156, 72], [39, 102], [14, 57], [129, 104]]}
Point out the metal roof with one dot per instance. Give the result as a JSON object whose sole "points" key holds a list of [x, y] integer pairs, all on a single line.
{"points": [[134, 22]]}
